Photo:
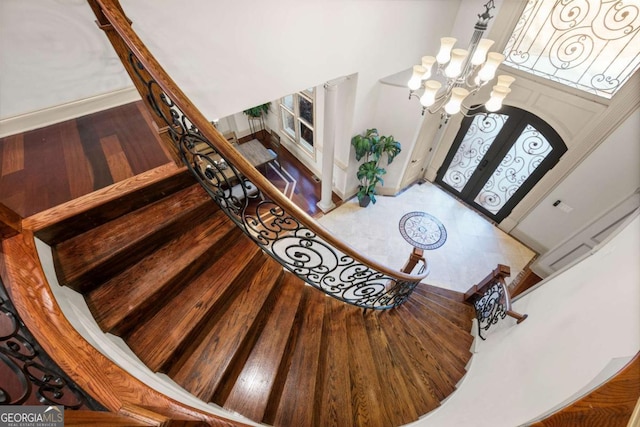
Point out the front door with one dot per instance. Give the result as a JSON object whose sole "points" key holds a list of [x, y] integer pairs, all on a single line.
{"points": [[497, 158]]}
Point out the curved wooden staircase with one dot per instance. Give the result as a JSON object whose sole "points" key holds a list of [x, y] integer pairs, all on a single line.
{"points": [[196, 299]]}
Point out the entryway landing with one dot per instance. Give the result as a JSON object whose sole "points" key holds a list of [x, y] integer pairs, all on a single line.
{"points": [[474, 246]]}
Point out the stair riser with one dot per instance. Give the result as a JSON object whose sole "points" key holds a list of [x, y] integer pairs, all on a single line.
{"points": [[94, 217], [130, 255]]}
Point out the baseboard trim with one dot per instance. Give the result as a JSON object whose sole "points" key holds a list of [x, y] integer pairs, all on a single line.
{"points": [[59, 113]]}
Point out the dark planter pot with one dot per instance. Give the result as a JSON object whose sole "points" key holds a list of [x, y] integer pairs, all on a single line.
{"points": [[364, 201]]}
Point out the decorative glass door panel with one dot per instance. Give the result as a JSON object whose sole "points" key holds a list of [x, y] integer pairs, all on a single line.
{"points": [[530, 149], [497, 158], [472, 149]]}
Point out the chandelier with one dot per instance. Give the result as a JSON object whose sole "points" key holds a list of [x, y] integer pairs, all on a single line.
{"points": [[464, 73]]}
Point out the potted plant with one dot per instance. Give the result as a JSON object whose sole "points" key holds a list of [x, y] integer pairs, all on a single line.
{"points": [[372, 147], [257, 113]]}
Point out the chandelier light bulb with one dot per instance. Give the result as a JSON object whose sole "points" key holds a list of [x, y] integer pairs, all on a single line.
{"points": [[431, 88], [427, 63], [488, 71], [505, 81], [497, 96], [457, 96], [480, 54], [454, 68], [446, 44], [416, 79]]}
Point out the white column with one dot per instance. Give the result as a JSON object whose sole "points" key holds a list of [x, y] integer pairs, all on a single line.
{"points": [[329, 142]]}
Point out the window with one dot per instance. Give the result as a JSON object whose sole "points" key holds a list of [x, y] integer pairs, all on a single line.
{"points": [[591, 45], [297, 118]]}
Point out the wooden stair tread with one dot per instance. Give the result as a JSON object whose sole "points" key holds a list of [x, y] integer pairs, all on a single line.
{"points": [[461, 320], [437, 329], [453, 305], [201, 371], [251, 390], [163, 337], [333, 407], [452, 360], [425, 362], [119, 303], [446, 293], [297, 397], [452, 354], [108, 249], [370, 393], [401, 380]]}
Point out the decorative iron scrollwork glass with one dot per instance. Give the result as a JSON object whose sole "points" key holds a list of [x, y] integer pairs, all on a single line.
{"points": [[473, 147], [529, 150], [591, 45]]}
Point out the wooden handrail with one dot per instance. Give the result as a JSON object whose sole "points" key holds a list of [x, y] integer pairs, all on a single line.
{"points": [[111, 12]]}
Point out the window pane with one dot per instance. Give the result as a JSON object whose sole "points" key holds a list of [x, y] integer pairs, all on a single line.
{"points": [[287, 101], [288, 123], [472, 149], [592, 45], [523, 158], [306, 134], [306, 110]]}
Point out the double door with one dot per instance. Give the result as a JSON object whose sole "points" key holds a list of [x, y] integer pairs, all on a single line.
{"points": [[497, 158]]}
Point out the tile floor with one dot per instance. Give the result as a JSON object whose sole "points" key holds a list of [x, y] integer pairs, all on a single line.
{"points": [[473, 248]]}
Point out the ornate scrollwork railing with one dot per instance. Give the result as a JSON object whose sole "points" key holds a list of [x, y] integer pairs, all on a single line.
{"points": [[274, 223], [491, 300], [490, 308], [29, 375]]}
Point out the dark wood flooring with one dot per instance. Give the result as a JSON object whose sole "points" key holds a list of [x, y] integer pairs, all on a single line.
{"points": [[43, 168]]}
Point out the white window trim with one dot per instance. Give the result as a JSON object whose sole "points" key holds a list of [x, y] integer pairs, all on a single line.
{"points": [[298, 120]]}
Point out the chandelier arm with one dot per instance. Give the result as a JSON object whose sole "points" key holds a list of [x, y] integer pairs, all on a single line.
{"points": [[470, 111]]}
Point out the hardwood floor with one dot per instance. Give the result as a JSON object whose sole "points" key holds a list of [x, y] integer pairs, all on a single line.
{"points": [[45, 167]]}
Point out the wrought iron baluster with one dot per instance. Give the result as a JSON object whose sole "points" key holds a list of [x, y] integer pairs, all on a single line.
{"points": [[29, 375]]}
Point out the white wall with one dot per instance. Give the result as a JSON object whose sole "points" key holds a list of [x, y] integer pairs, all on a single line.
{"points": [[610, 174], [396, 115], [52, 53], [578, 322], [55, 65]]}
